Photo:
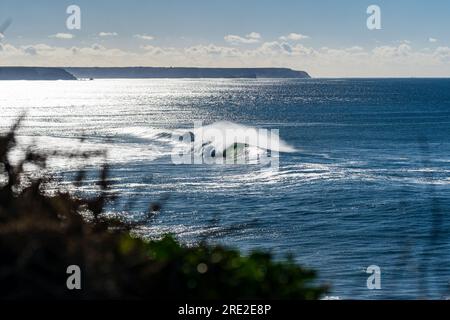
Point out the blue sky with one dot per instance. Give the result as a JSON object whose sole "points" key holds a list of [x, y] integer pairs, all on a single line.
{"points": [[332, 36]]}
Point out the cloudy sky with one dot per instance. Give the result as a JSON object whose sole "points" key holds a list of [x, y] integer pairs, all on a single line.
{"points": [[324, 37]]}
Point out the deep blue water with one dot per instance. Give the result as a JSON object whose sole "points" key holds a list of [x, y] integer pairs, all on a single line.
{"points": [[369, 183]]}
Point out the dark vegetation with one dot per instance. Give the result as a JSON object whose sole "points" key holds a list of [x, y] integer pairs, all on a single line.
{"points": [[42, 233]]}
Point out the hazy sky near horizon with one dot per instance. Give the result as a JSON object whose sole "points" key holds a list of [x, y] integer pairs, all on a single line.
{"points": [[324, 37]]}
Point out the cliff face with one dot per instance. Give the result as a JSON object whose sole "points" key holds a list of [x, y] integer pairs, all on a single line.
{"points": [[149, 72], [34, 73]]}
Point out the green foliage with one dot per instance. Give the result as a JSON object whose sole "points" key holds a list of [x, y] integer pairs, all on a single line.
{"points": [[41, 235]]}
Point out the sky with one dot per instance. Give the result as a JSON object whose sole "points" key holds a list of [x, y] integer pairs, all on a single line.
{"points": [[323, 37]]}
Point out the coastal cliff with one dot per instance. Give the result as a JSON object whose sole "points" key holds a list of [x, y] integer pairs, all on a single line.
{"points": [[154, 72], [40, 73], [34, 73]]}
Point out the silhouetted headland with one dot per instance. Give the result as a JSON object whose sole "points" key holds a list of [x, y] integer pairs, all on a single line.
{"points": [[34, 73], [153, 72]]}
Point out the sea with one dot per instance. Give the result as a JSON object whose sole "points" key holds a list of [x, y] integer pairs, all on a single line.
{"points": [[356, 186]]}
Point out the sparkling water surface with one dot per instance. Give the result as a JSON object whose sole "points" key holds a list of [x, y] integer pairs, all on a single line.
{"points": [[367, 184]]}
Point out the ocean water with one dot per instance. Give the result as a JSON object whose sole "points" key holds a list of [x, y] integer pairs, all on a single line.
{"points": [[363, 176]]}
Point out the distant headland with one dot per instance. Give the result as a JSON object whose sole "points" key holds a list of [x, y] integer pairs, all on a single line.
{"points": [[34, 73], [38, 73], [154, 72]]}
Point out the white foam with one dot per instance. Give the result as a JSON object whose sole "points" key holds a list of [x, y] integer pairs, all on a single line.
{"points": [[224, 134]]}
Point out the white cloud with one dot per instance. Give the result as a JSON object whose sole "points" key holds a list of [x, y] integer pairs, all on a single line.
{"points": [[108, 34], [97, 46], [432, 39], [150, 50], [62, 36], [144, 37], [212, 50], [402, 41], [294, 37], [387, 60], [30, 50], [252, 37], [392, 52], [442, 54], [274, 48]]}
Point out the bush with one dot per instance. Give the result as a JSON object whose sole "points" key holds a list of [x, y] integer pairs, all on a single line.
{"points": [[42, 234]]}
